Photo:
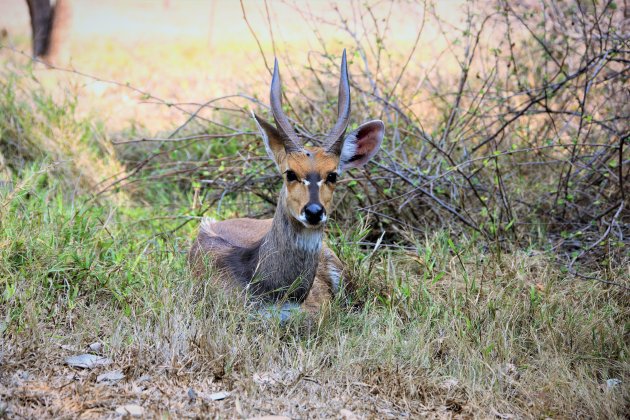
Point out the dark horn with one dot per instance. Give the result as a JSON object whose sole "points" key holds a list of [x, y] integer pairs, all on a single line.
{"points": [[335, 141], [292, 142]]}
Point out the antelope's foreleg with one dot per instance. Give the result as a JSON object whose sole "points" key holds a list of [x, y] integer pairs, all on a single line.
{"points": [[328, 281]]}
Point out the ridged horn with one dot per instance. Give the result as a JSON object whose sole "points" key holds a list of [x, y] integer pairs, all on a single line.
{"points": [[335, 137], [291, 140]]}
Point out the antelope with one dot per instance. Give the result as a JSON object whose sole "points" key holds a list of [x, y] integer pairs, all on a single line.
{"points": [[283, 259]]}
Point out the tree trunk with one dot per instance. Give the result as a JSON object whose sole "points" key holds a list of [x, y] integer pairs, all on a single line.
{"points": [[50, 26], [41, 23]]}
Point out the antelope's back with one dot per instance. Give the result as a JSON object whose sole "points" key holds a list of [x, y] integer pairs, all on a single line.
{"points": [[217, 239], [243, 233]]}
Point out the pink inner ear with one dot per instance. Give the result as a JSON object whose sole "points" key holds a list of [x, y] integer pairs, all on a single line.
{"points": [[368, 140]]}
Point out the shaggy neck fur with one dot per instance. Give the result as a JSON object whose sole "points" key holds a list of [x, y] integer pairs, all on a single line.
{"points": [[285, 260]]}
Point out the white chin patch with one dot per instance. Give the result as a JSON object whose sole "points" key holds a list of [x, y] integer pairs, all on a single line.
{"points": [[302, 219]]}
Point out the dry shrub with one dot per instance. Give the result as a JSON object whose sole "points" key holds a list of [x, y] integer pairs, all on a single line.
{"points": [[516, 132]]}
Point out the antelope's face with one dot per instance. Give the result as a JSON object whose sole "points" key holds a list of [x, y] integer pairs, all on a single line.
{"points": [[310, 173], [309, 179]]}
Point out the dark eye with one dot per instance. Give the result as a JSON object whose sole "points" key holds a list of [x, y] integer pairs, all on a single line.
{"points": [[332, 177], [291, 176]]}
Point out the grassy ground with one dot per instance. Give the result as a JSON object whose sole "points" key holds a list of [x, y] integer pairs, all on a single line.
{"points": [[440, 331], [446, 326]]}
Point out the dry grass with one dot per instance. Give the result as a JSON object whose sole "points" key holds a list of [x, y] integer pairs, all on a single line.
{"points": [[443, 323], [432, 332]]}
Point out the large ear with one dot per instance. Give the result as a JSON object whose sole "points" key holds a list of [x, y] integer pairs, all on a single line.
{"points": [[273, 140], [360, 145]]}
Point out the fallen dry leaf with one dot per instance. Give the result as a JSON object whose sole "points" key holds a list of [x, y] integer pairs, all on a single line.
{"points": [[449, 384], [133, 410], [217, 396], [96, 346], [111, 376], [347, 414], [87, 361]]}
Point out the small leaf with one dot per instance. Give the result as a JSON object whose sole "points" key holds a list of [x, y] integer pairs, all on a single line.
{"points": [[112, 376], [132, 410], [219, 396], [216, 396], [87, 361]]}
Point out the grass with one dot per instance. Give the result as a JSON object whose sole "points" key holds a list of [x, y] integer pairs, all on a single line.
{"points": [[447, 326], [441, 329]]}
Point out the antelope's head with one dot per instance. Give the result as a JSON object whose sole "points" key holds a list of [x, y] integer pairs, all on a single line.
{"points": [[310, 173]]}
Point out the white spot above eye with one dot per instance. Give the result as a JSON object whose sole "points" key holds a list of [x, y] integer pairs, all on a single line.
{"points": [[307, 183]]}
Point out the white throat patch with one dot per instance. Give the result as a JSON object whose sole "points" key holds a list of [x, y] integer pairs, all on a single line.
{"points": [[309, 240]]}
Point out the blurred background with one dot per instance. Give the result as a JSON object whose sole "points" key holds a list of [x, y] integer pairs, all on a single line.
{"points": [[191, 51], [489, 239]]}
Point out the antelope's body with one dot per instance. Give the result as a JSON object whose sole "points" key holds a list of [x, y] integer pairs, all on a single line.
{"points": [[235, 246], [284, 259]]}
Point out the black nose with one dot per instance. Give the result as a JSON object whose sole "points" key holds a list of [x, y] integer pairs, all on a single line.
{"points": [[313, 213]]}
